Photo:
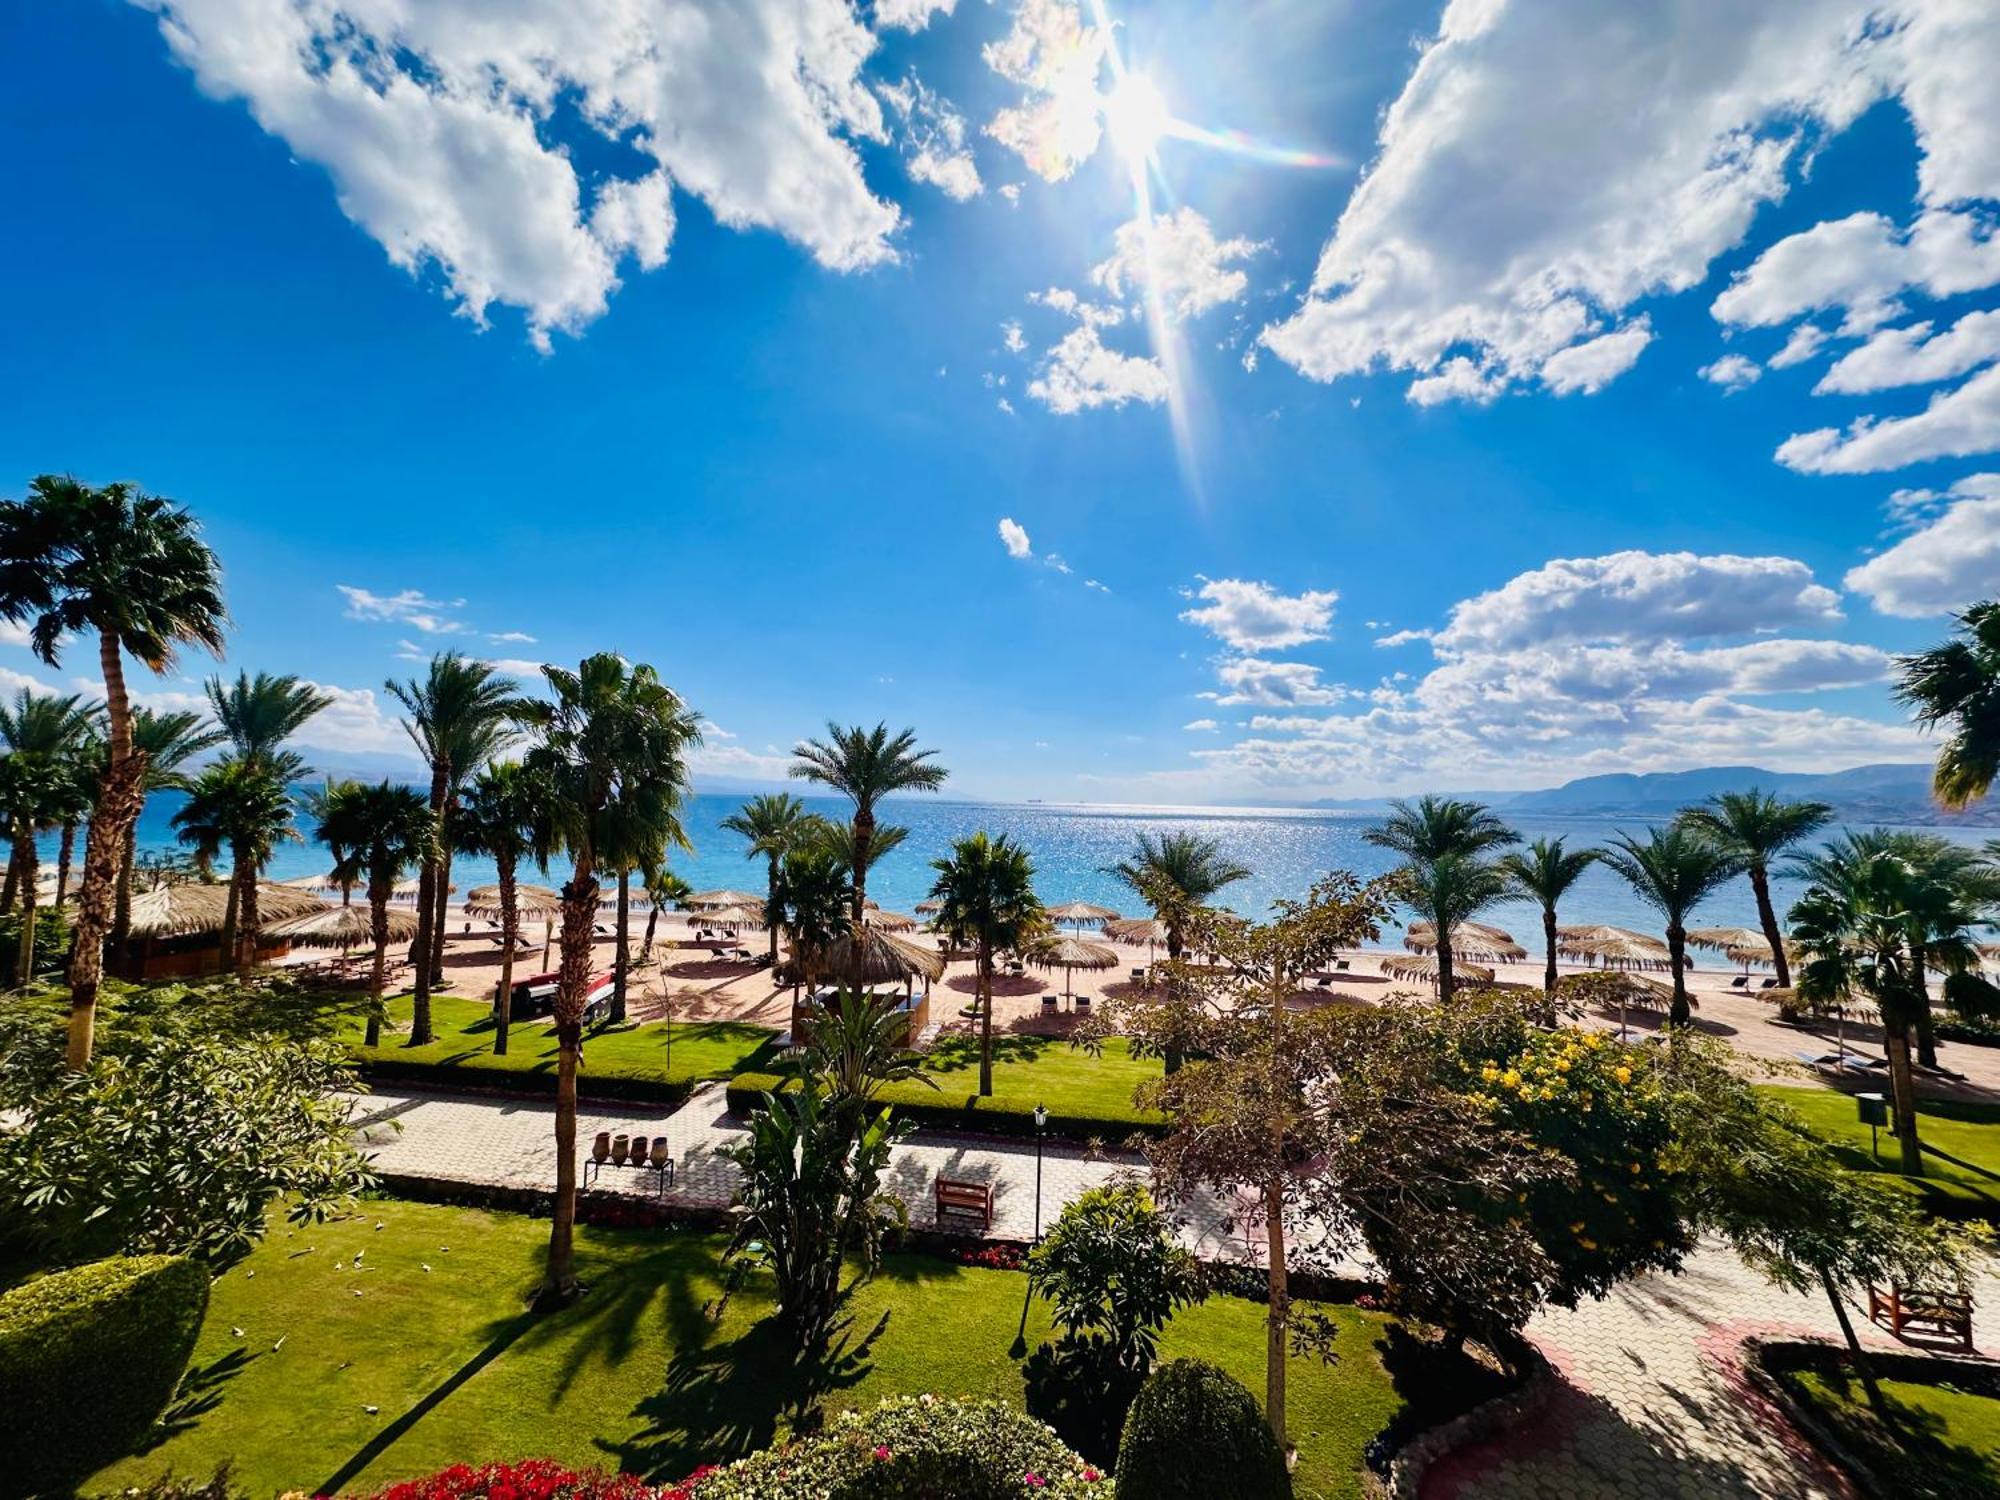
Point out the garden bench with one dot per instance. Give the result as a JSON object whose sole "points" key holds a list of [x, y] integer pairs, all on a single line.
{"points": [[1945, 1316], [967, 1200], [632, 1151]]}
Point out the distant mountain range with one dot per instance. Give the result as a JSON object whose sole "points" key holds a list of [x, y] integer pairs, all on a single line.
{"points": [[1887, 793]]}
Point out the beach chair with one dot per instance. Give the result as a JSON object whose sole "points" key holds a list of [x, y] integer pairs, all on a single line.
{"points": [[1769, 984], [1048, 1005], [1740, 982], [1326, 981], [1340, 966], [1081, 1003]]}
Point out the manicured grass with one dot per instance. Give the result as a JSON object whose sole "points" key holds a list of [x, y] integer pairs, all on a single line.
{"points": [[637, 1375], [1961, 1144], [1948, 1443], [656, 1057], [1087, 1094]]}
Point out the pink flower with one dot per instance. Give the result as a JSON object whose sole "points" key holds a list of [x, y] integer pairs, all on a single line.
{"points": [[1090, 1475], [881, 1454], [1034, 1480]]}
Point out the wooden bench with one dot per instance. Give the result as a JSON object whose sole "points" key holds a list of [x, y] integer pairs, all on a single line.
{"points": [[968, 1200], [1936, 1316]]}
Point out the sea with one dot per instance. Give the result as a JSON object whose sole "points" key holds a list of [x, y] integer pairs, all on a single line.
{"points": [[1286, 849]]}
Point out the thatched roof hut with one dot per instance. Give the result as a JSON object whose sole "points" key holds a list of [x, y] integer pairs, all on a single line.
{"points": [[182, 910], [885, 959], [701, 900], [342, 927]]}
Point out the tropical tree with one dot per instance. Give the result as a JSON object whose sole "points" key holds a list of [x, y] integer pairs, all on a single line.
{"points": [[245, 807], [376, 832], [460, 715], [168, 740], [1956, 686], [770, 824], [1673, 871], [46, 739], [1177, 874], [813, 906], [1543, 873], [638, 839], [611, 748], [1755, 826], [501, 818], [986, 901], [256, 716], [1448, 892], [1444, 877], [866, 765], [131, 570]]}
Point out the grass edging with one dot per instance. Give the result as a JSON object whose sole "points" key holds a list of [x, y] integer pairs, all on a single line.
{"points": [[1401, 1477], [984, 1116]]}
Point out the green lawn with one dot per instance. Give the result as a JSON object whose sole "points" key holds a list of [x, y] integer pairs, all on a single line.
{"points": [[636, 1375], [1961, 1143], [650, 1056], [1949, 1446]]}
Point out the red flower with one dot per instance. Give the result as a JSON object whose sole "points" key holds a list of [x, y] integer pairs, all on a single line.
{"points": [[881, 1453]]}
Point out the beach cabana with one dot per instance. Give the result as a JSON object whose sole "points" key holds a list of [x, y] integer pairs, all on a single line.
{"points": [[891, 921], [1474, 940], [341, 927], [885, 959], [1425, 966], [1070, 954], [174, 928]]}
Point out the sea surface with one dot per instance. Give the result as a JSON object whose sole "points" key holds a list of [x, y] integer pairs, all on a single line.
{"points": [[1286, 849]]}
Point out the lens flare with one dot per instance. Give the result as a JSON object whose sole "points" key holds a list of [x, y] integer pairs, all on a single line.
{"points": [[1136, 115]]}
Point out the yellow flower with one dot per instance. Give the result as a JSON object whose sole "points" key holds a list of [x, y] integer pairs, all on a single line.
{"points": [[1622, 1073], [1489, 1072]]}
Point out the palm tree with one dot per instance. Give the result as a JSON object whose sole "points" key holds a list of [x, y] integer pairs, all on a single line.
{"points": [[1448, 892], [1543, 874], [771, 824], [46, 738], [461, 715], [500, 818], [986, 896], [1444, 829], [612, 751], [1674, 871], [257, 715], [1957, 685], [243, 806], [1755, 826], [638, 837], [376, 833], [168, 741], [131, 570], [814, 906], [1177, 874], [866, 765]]}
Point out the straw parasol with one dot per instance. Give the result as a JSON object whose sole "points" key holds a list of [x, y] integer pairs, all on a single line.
{"points": [[1136, 930], [885, 959], [342, 927], [1722, 939], [732, 917], [1425, 966], [1630, 989], [1612, 947], [531, 902], [1474, 940], [701, 900], [409, 890], [1070, 954], [324, 883], [929, 908], [181, 910], [1080, 913], [891, 921]]}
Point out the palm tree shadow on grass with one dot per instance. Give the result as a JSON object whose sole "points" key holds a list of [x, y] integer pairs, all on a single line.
{"points": [[200, 1392]]}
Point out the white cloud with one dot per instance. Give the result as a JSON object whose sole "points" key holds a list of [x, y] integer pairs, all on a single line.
{"points": [[1251, 679], [1055, 56], [1176, 258], [1014, 537], [1862, 264], [1914, 356], [13, 634], [1962, 421], [1251, 616], [12, 682], [409, 607], [355, 720], [1093, 314], [1732, 372], [1079, 373], [1951, 562], [441, 128], [1011, 336], [510, 637], [910, 15], [1592, 365], [1457, 379], [1805, 341], [934, 139], [1518, 202], [518, 666], [1201, 726], [1640, 596]]}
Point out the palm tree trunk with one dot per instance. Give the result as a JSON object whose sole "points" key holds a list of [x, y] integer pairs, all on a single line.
{"points": [[378, 978], [25, 856], [985, 1018], [770, 917], [579, 911], [1279, 1311], [1678, 1012], [248, 922], [1896, 1042], [1549, 975], [510, 923], [119, 796], [420, 950], [623, 949], [10, 889], [232, 906], [1925, 1022], [652, 926], [1446, 975], [63, 856], [443, 912], [121, 921], [864, 837], [1767, 918]]}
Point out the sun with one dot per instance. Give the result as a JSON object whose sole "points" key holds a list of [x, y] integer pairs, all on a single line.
{"points": [[1136, 115]]}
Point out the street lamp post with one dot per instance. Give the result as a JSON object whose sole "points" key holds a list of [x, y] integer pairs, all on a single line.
{"points": [[1041, 1119]]}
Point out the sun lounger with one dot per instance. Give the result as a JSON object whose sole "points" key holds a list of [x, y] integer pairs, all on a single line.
{"points": [[1769, 984], [1740, 982], [1082, 1002], [1048, 1005], [1340, 966]]}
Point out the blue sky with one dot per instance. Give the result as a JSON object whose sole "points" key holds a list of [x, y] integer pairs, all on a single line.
{"points": [[731, 346]]}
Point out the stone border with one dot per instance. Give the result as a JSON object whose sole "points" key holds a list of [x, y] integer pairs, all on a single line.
{"points": [[1765, 1359], [1408, 1465]]}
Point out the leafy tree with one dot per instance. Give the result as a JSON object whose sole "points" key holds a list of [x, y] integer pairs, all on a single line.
{"points": [[131, 570], [1957, 686], [770, 825], [168, 741], [866, 765], [459, 715], [1178, 875], [244, 806], [1755, 826], [987, 901], [611, 749], [501, 819], [1673, 871], [46, 738], [376, 832], [1543, 873]]}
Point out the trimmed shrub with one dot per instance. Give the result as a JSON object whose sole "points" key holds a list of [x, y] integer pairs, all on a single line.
{"points": [[914, 1448], [1194, 1433], [218, 1486], [969, 1112], [529, 1479], [89, 1357]]}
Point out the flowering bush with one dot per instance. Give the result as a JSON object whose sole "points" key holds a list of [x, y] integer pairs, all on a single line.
{"points": [[530, 1479], [992, 1257], [914, 1448]]}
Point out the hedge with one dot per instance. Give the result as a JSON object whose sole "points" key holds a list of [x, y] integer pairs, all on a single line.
{"points": [[454, 1078], [89, 1357], [987, 1115], [1194, 1433]]}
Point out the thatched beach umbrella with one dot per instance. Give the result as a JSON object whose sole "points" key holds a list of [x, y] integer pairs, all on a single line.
{"points": [[1425, 966], [884, 959], [1612, 947], [325, 883], [702, 900], [892, 921], [929, 908], [182, 910], [1630, 989], [1080, 913], [729, 918], [1478, 941], [342, 927], [532, 903], [1070, 954]]}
